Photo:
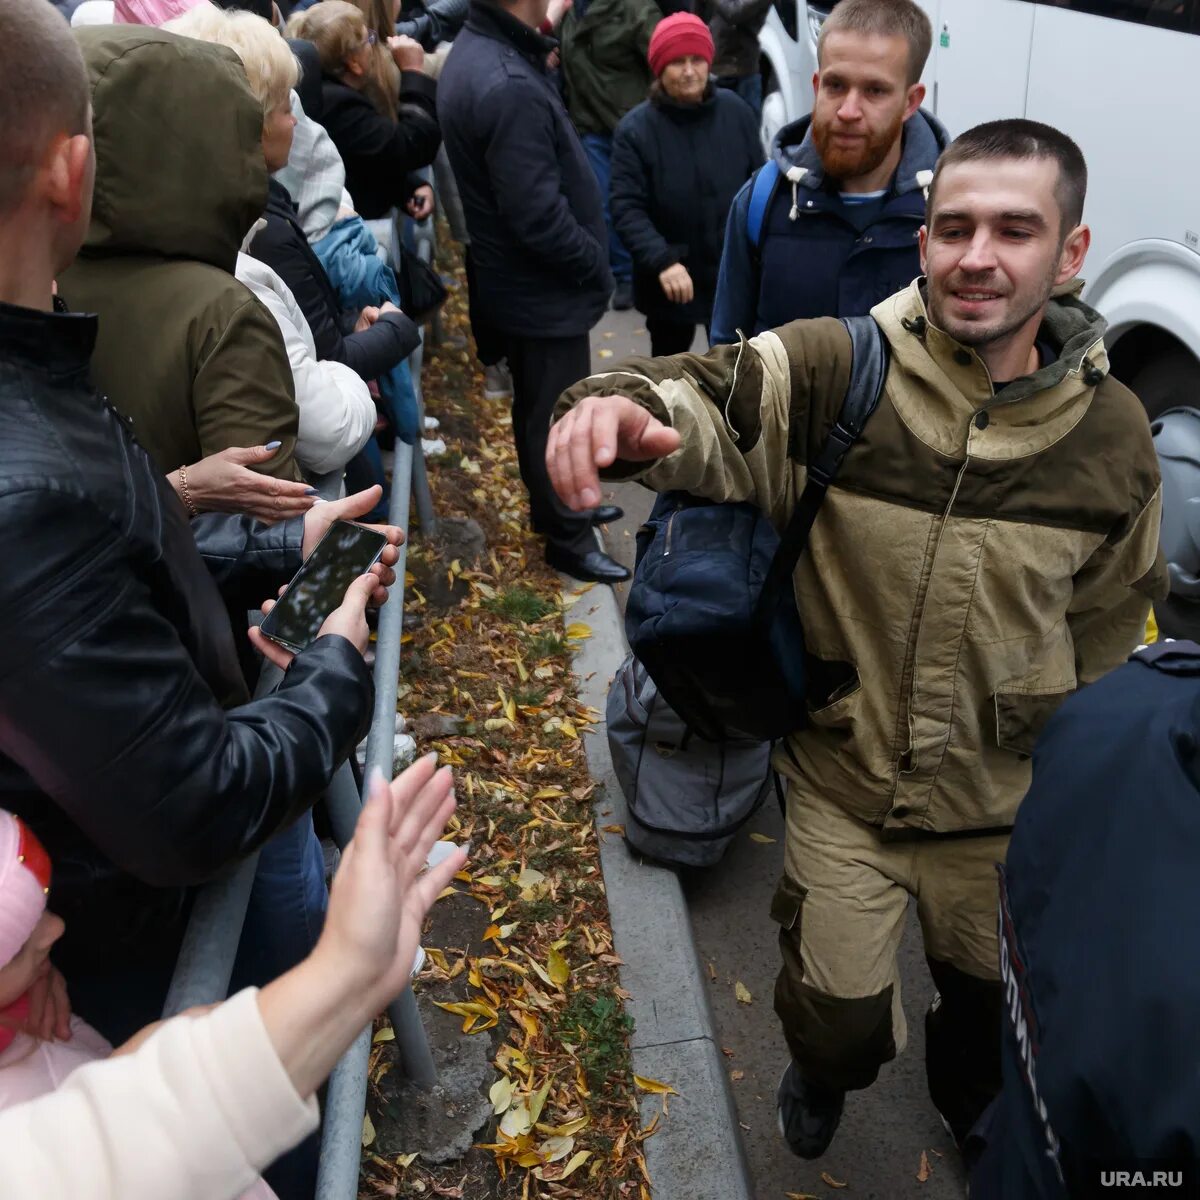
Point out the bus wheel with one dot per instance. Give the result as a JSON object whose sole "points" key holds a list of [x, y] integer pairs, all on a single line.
{"points": [[1169, 380]]}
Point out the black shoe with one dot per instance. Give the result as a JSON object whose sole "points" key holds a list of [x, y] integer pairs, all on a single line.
{"points": [[808, 1113], [592, 566], [623, 295], [606, 514]]}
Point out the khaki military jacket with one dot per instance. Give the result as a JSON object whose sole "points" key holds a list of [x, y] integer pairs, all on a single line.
{"points": [[979, 557]]}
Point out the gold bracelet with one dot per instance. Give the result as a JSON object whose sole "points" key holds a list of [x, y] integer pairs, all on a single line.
{"points": [[188, 503]]}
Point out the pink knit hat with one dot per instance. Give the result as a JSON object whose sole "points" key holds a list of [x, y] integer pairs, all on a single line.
{"points": [[677, 36], [150, 12], [24, 882]]}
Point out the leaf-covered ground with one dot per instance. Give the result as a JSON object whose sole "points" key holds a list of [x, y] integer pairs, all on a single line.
{"points": [[486, 682]]}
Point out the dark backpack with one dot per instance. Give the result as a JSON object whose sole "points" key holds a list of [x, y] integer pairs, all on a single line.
{"points": [[686, 797], [712, 610]]}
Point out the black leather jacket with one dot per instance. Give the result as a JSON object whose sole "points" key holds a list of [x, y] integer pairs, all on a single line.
{"points": [[127, 738]]}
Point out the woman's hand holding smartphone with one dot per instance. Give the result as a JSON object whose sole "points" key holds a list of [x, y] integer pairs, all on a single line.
{"points": [[342, 545]]}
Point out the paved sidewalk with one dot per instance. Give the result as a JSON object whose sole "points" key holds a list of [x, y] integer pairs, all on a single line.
{"points": [[877, 1151]]}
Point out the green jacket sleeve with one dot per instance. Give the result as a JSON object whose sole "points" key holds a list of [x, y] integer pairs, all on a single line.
{"points": [[1113, 593], [746, 413], [243, 393]]}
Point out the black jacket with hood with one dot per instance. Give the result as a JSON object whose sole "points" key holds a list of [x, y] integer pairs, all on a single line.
{"points": [[675, 170], [184, 349], [281, 244], [128, 741]]}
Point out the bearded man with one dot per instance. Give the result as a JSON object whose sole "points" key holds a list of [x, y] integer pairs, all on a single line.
{"points": [[989, 546], [844, 192]]}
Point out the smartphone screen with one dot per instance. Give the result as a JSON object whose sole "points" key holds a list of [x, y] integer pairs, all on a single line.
{"points": [[345, 552]]}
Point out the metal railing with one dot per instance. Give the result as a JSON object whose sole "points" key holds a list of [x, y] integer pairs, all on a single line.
{"points": [[209, 950]]}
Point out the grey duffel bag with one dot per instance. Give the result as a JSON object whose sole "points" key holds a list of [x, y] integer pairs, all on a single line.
{"points": [[687, 797]]}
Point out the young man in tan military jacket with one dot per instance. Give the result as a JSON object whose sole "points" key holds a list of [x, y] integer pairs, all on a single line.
{"points": [[989, 546]]}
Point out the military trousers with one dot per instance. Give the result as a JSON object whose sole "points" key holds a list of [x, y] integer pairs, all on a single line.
{"points": [[841, 908]]}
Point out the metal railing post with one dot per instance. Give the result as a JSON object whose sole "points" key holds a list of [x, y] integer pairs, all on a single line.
{"points": [[337, 1178], [210, 942]]}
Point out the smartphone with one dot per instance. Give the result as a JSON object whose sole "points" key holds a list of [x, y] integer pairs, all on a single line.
{"points": [[341, 556]]}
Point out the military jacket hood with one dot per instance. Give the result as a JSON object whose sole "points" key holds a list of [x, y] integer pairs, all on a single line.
{"points": [[180, 171]]}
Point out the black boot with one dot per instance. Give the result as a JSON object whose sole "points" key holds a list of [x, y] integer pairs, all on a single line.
{"points": [[808, 1113], [592, 566]]}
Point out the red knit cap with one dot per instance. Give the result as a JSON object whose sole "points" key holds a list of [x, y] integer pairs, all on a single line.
{"points": [[678, 36]]}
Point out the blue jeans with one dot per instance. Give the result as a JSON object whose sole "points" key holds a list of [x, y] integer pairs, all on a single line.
{"points": [[749, 87], [287, 905], [598, 147], [283, 921]]}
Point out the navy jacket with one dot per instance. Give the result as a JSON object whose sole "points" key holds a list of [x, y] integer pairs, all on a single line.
{"points": [[675, 170], [818, 257], [538, 240], [1098, 941]]}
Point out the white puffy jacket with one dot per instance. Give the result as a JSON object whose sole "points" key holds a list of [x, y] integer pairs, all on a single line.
{"points": [[337, 413]]}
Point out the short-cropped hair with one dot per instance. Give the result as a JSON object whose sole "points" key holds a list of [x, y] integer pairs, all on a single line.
{"points": [[883, 18], [336, 27], [43, 91], [1021, 139], [271, 67]]}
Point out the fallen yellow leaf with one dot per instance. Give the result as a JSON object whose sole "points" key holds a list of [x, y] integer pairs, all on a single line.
{"points": [[555, 1148], [386, 1034], [406, 1160], [549, 793], [829, 1180], [800, 1196], [924, 1170], [560, 972], [501, 1095], [539, 1101], [368, 1130], [653, 1085], [516, 1121], [762, 838], [577, 631], [742, 992], [577, 1161]]}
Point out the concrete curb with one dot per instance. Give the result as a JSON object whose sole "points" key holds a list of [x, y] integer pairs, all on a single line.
{"points": [[697, 1153]]}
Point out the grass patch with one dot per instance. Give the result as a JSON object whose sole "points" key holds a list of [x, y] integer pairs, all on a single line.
{"points": [[520, 604], [546, 644], [602, 1027]]}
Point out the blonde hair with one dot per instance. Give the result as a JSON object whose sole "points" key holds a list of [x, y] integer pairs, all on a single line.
{"points": [[338, 32], [336, 27], [271, 68]]}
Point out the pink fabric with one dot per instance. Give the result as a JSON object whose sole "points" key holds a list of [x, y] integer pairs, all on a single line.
{"points": [[676, 36], [150, 12], [22, 894]]}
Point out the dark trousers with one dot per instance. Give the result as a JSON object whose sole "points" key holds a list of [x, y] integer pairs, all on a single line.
{"points": [[669, 337], [542, 369], [489, 345]]}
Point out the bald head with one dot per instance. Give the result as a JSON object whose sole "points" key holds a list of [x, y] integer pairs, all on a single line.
{"points": [[43, 91]]}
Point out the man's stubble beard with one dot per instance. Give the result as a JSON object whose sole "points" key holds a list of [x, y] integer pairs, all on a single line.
{"points": [[852, 164], [969, 334]]}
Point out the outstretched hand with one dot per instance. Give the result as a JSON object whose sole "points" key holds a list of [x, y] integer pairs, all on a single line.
{"points": [[382, 892], [594, 434]]}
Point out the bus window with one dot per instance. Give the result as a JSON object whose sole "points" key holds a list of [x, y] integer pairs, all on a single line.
{"points": [[1180, 15]]}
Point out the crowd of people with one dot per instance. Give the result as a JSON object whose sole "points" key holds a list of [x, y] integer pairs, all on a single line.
{"points": [[205, 336]]}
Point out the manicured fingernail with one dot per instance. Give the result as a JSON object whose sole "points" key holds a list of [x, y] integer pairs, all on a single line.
{"points": [[311, 492], [376, 775], [273, 445]]}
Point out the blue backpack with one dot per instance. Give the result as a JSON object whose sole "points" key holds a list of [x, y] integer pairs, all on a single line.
{"points": [[762, 191], [712, 613]]}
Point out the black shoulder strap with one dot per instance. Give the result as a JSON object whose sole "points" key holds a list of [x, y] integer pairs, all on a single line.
{"points": [[869, 357]]}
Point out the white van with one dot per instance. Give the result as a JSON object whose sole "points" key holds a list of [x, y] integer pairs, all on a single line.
{"points": [[1118, 76]]}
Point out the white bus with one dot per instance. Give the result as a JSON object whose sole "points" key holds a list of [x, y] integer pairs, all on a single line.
{"points": [[1122, 77]]}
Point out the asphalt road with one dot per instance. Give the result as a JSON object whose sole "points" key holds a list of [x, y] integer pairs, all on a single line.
{"points": [[877, 1151]]}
